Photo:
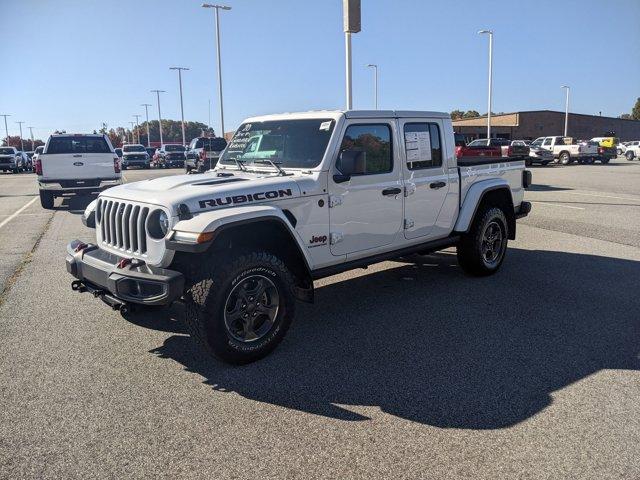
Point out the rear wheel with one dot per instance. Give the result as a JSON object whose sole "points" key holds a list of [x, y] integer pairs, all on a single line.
{"points": [[629, 155], [482, 249], [565, 158], [240, 309], [46, 199]]}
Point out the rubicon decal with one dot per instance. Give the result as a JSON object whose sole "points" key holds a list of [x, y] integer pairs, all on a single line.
{"points": [[250, 197]]}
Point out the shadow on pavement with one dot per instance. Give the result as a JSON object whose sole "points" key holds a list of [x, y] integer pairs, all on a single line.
{"points": [[428, 344], [546, 188], [76, 204]]}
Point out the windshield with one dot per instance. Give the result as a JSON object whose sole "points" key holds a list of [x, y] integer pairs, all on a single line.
{"points": [[133, 148], [6, 150], [173, 148], [292, 143], [479, 143]]}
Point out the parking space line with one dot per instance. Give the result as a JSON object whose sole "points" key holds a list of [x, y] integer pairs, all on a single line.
{"points": [[557, 205], [15, 214], [602, 196]]}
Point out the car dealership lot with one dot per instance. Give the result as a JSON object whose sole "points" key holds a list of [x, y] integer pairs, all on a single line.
{"points": [[407, 369]]}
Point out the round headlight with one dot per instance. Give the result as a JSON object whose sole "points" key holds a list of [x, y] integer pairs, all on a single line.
{"points": [[158, 224]]}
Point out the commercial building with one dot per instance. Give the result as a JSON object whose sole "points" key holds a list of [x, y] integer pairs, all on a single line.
{"points": [[542, 123]]}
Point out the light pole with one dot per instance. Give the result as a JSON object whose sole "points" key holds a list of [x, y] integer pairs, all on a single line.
{"points": [[217, 8], [351, 19], [6, 129], [179, 69], [32, 142], [490, 79], [566, 109], [158, 92], [375, 82], [146, 111], [133, 135], [21, 141], [137, 117]]}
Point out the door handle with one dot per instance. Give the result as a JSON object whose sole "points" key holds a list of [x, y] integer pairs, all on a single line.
{"points": [[436, 185], [391, 191]]}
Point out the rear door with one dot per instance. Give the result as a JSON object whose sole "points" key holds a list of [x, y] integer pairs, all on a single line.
{"points": [[78, 157], [426, 177]]}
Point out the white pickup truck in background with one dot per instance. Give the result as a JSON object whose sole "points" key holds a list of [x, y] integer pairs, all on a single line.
{"points": [[76, 163], [338, 190], [565, 150]]}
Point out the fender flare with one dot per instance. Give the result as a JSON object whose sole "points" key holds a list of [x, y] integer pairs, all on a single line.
{"points": [[474, 197], [217, 221]]}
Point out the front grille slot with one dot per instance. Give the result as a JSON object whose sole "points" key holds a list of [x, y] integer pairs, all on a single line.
{"points": [[122, 226]]}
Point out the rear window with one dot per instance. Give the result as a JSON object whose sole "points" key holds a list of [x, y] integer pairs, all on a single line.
{"points": [[78, 145]]}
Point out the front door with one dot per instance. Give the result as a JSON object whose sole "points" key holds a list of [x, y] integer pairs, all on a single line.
{"points": [[366, 210], [426, 177]]}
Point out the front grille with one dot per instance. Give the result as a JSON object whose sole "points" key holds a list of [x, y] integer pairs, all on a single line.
{"points": [[135, 157], [122, 225]]}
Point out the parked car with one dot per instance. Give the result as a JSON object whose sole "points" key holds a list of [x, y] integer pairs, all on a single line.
{"points": [[151, 151], [118, 152], [171, 156], [75, 163], [621, 148], [633, 150], [25, 161], [494, 147], [345, 190], [607, 148], [134, 155], [36, 154], [537, 155], [565, 150], [203, 153], [11, 160]]}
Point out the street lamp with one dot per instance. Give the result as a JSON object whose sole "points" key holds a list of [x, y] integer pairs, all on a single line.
{"points": [[6, 129], [179, 69], [158, 92], [217, 8], [133, 135], [566, 109], [146, 111], [490, 33], [351, 23], [137, 117], [375, 82], [21, 142], [32, 142]]}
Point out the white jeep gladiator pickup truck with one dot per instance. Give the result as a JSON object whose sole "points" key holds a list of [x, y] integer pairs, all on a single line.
{"points": [[338, 190]]}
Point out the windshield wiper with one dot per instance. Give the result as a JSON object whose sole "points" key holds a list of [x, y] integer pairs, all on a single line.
{"points": [[240, 164], [276, 165]]}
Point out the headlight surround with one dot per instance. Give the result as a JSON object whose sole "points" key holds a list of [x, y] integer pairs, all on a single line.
{"points": [[158, 224]]}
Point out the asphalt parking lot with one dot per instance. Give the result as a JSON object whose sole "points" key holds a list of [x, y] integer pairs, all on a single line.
{"points": [[405, 370]]}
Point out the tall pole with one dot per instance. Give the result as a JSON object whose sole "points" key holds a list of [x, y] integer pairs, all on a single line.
{"points": [[566, 109], [6, 129], [137, 117], [21, 141], [133, 135], [32, 142], [347, 57], [146, 111], [351, 19], [375, 83], [217, 15], [179, 69], [490, 80], [158, 92]]}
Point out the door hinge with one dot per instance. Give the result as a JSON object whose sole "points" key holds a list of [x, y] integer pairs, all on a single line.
{"points": [[335, 237], [409, 189], [335, 200], [408, 223]]}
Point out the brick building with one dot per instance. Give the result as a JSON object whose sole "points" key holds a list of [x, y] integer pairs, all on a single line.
{"points": [[541, 123]]}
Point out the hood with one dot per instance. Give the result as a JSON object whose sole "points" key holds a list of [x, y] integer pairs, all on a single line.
{"points": [[209, 191]]}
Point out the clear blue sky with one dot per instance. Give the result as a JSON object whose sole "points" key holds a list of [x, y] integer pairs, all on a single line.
{"points": [[74, 64]]}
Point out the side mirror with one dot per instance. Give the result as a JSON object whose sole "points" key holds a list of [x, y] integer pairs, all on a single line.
{"points": [[350, 162]]}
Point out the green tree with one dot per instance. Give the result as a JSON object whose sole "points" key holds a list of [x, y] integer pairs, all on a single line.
{"points": [[470, 114], [635, 112], [626, 116], [456, 114]]}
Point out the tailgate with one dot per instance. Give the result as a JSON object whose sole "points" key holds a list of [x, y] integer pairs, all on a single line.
{"points": [[78, 157]]}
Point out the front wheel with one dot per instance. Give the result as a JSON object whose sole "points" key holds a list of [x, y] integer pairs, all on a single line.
{"points": [[240, 309], [482, 249], [629, 155], [565, 158]]}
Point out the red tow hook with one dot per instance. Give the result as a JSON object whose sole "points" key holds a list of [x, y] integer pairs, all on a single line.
{"points": [[124, 262], [81, 246]]}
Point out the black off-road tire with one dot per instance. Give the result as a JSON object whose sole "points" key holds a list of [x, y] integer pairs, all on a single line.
{"points": [[46, 199], [469, 250], [206, 298]]}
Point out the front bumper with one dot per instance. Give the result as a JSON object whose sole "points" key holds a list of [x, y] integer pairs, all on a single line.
{"points": [[120, 281], [89, 184]]}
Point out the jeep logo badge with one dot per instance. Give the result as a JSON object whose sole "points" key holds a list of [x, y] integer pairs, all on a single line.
{"points": [[78, 164]]}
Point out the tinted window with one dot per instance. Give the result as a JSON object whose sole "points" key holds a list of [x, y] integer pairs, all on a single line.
{"points": [[78, 145], [375, 143], [547, 141], [6, 151], [421, 136], [174, 148]]}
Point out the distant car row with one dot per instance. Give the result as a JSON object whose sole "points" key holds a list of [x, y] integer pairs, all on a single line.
{"points": [[13, 160], [201, 155], [545, 150]]}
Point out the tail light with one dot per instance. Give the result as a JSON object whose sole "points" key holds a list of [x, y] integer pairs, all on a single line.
{"points": [[203, 154], [458, 151], [38, 167], [600, 150], [509, 151], [116, 165]]}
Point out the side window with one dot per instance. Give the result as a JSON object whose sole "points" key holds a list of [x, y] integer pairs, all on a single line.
{"points": [[547, 141], [371, 146], [423, 145]]}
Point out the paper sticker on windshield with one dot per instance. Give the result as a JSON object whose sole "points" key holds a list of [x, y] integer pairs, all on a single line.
{"points": [[325, 125]]}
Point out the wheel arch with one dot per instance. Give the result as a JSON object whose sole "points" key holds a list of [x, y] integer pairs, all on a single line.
{"points": [[495, 192]]}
